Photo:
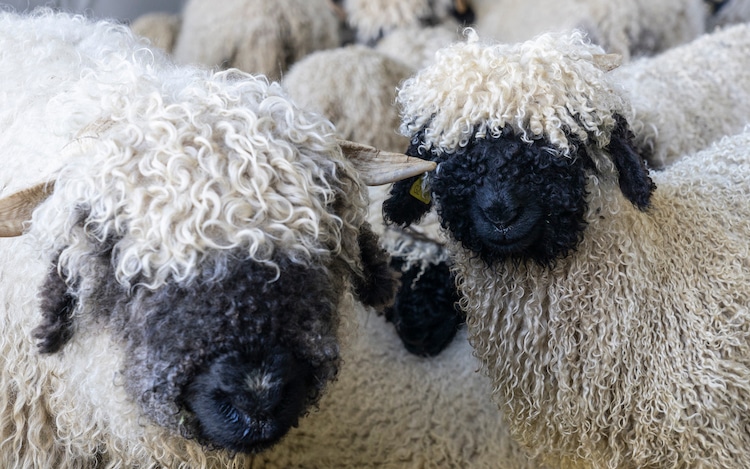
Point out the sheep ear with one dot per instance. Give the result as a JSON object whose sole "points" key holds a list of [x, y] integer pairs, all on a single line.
{"points": [[16, 209], [378, 167], [407, 203], [378, 284], [634, 180], [607, 62], [57, 305]]}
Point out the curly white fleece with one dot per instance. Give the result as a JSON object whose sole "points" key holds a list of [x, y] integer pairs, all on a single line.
{"points": [[194, 165], [547, 88]]}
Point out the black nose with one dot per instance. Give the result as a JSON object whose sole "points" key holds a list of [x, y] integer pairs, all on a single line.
{"points": [[502, 214], [500, 208], [246, 402]]}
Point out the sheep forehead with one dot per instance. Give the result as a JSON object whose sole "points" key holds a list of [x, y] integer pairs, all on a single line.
{"points": [[242, 168], [540, 88]]}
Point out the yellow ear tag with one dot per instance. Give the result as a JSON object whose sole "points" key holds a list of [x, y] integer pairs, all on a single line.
{"points": [[417, 191]]}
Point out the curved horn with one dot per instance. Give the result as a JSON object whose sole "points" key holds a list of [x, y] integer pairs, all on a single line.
{"points": [[378, 167], [16, 209], [607, 62]]}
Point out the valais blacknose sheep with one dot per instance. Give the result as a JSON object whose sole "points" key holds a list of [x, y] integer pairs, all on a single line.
{"points": [[175, 299], [609, 306]]}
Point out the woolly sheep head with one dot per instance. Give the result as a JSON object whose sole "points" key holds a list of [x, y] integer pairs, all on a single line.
{"points": [[216, 239], [517, 131]]}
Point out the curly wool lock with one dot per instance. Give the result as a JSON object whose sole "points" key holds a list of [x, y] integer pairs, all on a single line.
{"points": [[187, 277], [504, 92], [628, 347]]}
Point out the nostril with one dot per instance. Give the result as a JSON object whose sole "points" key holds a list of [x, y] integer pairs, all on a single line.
{"points": [[502, 215]]}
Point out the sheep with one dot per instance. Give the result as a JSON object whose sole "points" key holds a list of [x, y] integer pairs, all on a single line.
{"points": [[689, 96], [162, 29], [633, 28], [256, 36], [607, 303], [355, 88], [175, 289], [374, 19]]}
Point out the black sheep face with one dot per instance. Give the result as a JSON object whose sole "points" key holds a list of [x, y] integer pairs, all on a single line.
{"points": [[507, 199], [232, 360]]}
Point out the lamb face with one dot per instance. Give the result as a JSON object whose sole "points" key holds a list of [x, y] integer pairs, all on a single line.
{"points": [[506, 199], [234, 363]]}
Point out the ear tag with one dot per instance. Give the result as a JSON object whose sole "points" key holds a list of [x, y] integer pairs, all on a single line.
{"points": [[419, 192]]}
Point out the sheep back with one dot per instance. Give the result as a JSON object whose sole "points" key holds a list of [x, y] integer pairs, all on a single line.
{"points": [[689, 96], [256, 36]]}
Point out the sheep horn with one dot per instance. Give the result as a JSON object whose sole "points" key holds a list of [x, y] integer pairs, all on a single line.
{"points": [[607, 62], [378, 167], [16, 208]]}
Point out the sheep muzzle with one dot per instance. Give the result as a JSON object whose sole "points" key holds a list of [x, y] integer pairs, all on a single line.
{"points": [[247, 402]]}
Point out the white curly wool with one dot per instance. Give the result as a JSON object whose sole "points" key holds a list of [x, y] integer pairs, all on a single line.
{"points": [[256, 36], [474, 89], [639, 27], [689, 96]]}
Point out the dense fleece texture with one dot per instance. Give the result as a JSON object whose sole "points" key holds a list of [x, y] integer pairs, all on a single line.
{"points": [[355, 88], [689, 96], [390, 409], [629, 346], [256, 36], [374, 19], [177, 300], [630, 28]]}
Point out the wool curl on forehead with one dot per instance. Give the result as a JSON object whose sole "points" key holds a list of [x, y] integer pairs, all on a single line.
{"points": [[546, 88], [187, 177]]}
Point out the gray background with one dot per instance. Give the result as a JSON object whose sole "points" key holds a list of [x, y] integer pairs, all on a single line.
{"points": [[124, 10]]}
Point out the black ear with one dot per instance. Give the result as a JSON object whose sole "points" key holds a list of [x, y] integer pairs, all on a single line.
{"points": [[635, 182], [378, 284], [57, 305], [406, 203]]}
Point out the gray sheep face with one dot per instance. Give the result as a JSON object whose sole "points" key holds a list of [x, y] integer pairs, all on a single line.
{"points": [[233, 363]]}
